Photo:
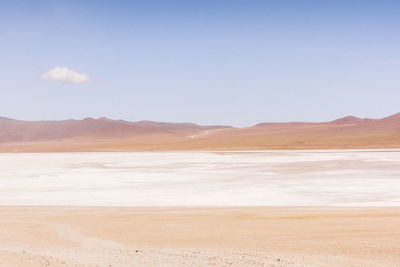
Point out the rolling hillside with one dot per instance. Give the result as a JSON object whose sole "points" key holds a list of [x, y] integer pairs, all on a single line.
{"points": [[117, 135]]}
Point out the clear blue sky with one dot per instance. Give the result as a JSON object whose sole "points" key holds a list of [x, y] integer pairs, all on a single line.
{"points": [[208, 62]]}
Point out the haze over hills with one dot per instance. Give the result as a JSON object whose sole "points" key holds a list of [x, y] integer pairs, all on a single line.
{"points": [[118, 135]]}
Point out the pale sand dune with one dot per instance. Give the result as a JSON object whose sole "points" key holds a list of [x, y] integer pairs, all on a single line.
{"points": [[61, 236]]}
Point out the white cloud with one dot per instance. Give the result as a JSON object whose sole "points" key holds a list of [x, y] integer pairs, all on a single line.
{"points": [[65, 75]]}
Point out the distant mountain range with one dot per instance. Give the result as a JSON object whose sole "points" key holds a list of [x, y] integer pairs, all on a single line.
{"points": [[117, 135]]}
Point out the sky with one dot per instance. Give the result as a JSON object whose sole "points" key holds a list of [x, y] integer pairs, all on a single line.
{"points": [[236, 62]]}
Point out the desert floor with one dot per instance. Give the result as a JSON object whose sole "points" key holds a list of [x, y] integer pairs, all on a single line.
{"points": [[271, 236]]}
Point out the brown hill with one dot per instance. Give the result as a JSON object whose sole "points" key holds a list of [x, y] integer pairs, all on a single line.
{"points": [[117, 135], [103, 128]]}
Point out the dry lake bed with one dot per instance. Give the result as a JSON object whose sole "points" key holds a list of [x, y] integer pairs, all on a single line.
{"points": [[229, 178]]}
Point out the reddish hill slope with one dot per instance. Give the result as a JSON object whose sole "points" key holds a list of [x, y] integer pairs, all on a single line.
{"points": [[347, 132], [116, 135], [103, 128]]}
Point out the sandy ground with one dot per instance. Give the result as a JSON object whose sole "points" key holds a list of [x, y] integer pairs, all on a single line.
{"points": [[279, 236]]}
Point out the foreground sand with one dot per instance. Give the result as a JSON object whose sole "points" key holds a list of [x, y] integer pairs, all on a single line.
{"points": [[56, 236]]}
